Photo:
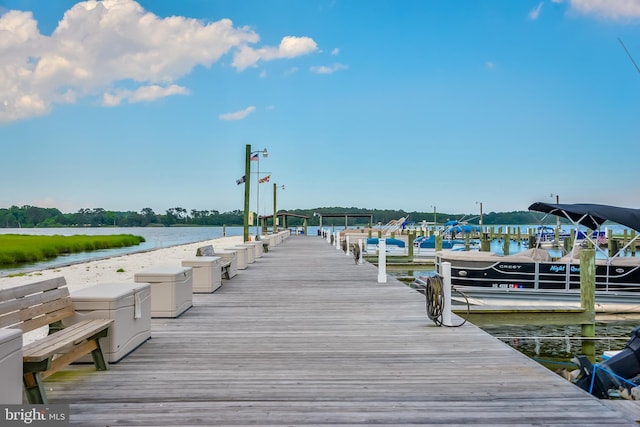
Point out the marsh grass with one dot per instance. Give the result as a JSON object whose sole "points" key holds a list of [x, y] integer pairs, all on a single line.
{"points": [[16, 249]]}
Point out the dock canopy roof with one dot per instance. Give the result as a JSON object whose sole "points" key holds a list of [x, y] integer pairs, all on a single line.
{"points": [[591, 216]]}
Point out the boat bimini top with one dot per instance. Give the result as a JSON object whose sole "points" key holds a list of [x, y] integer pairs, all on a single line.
{"points": [[592, 216]]}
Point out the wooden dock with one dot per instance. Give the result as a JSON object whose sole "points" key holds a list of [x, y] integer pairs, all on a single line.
{"points": [[306, 337]]}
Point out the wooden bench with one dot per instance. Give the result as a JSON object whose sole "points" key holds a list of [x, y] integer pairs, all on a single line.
{"points": [[32, 306], [224, 265]]}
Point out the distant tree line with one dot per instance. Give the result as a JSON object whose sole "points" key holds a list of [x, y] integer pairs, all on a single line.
{"points": [[32, 216]]}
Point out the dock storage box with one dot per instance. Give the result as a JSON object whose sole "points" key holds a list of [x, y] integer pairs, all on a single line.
{"points": [[128, 304], [230, 256], [241, 256], [257, 247], [171, 289], [251, 251], [206, 273], [11, 366]]}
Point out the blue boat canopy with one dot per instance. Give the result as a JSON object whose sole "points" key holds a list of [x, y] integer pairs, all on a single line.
{"points": [[453, 226], [389, 241], [591, 216]]}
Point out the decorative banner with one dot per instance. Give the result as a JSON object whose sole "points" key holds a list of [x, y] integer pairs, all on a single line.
{"points": [[240, 181]]}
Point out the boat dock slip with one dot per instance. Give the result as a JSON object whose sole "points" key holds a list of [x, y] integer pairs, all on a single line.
{"points": [[304, 336]]}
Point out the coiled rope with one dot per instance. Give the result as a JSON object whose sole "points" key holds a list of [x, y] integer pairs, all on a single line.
{"points": [[435, 301], [355, 249]]}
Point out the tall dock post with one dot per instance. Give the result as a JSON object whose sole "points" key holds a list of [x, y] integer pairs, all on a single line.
{"points": [[485, 243], [410, 238], [348, 251], [382, 261], [588, 299], [446, 292], [505, 243]]}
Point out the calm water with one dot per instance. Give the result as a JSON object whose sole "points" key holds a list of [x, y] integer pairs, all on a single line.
{"points": [[156, 238], [555, 345]]}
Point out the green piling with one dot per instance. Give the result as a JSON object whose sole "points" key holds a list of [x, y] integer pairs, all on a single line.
{"points": [[588, 299], [505, 244], [485, 243], [438, 242]]}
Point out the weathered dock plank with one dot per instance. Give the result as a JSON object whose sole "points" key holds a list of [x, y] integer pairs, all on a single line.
{"points": [[306, 337]]}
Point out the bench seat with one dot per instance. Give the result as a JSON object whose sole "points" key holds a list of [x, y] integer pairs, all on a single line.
{"points": [[47, 303]]}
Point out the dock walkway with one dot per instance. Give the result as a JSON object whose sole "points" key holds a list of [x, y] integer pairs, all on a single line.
{"points": [[306, 337]]}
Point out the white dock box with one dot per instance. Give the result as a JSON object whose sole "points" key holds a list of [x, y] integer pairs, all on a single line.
{"points": [[257, 247], [241, 256], [11, 366], [251, 251], [230, 256], [206, 273], [171, 289], [128, 304]]}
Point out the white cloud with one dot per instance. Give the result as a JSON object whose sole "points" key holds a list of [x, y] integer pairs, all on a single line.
{"points": [[613, 9], [323, 69], [153, 92], [535, 13], [238, 115], [290, 47], [115, 50], [142, 94], [335, 52]]}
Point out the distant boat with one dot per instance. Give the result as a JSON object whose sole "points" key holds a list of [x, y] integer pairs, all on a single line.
{"points": [[455, 229], [427, 245], [392, 246], [546, 236]]}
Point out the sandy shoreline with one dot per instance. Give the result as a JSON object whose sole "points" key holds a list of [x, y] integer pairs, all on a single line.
{"points": [[91, 273]]}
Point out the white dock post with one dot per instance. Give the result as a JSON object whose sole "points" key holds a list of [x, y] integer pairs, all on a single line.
{"points": [[446, 292], [337, 240], [382, 260], [361, 244], [348, 251]]}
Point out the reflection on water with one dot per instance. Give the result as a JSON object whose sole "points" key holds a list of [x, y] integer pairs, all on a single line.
{"points": [[554, 345]]}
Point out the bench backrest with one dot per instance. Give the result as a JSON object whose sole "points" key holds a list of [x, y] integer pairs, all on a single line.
{"points": [[32, 306], [205, 251]]}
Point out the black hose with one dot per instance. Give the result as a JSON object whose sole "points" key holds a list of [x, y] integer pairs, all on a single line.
{"points": [[435, 301]]}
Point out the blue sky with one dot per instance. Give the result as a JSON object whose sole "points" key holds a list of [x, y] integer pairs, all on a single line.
{"points": [[392, 104]]}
